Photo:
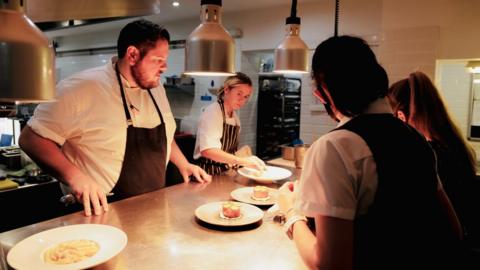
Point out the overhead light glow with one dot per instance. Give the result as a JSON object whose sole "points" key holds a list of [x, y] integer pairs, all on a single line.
{"points": [[176, 3]]}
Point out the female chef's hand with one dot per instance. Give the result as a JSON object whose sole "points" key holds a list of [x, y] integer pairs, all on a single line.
{"points": [[252, 162], [199, 174], [89, 193], [286, 197]]}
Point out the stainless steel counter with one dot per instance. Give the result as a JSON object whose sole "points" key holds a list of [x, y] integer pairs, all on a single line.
{"points": [[164, 234]]}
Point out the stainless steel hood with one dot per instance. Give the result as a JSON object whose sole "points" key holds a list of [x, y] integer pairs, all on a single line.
{"points": [[26, 56], [64, 10]]}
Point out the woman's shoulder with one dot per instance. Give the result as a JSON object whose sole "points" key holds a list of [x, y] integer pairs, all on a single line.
{"points": [[211, 112], [344, 143], [212, 108]]}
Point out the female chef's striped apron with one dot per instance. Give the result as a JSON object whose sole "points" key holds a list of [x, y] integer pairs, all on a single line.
{"points": [[229, 143]]}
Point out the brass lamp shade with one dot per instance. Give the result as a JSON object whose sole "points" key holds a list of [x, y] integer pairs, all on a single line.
{"points": [[473, 66], [26, 58], [209, 49], [291, 56]]}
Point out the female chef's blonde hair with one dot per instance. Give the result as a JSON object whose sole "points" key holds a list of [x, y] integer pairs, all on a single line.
{"points": [[232, 81]]}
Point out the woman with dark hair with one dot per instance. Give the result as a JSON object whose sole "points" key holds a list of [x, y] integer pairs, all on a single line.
{"points": [[416, 101], [219, 128], [370, 184]]}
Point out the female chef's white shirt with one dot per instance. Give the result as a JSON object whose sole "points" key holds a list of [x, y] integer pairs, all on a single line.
{"points": [[210, 128]]}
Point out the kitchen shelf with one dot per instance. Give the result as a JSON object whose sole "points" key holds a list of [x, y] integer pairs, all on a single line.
{"points": [[186, 89]]}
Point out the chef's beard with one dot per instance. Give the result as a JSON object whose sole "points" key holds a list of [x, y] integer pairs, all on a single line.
{"points": [[140, 78]]}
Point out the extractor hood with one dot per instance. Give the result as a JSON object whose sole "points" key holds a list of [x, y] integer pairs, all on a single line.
{"points": [[26, 56], [64, 10]]}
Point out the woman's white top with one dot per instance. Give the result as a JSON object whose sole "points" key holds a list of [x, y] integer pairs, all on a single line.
{"points": [[339, 177], [210, 128]]}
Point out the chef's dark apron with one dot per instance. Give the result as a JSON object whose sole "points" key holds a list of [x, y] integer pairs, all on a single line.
{"points": [[229, 143], [144, 163]]}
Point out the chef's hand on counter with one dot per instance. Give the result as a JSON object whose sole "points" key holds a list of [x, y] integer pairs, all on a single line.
{"points": [[186, 168], [89, 193], [199, 174]]}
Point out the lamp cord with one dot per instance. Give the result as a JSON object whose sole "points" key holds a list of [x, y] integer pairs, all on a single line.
{"points": [[337, 7], [293, 11]]}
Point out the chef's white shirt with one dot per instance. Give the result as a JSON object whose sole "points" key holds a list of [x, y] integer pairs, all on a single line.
{"points": [[339, 176], [210, 128], [88, 120]]}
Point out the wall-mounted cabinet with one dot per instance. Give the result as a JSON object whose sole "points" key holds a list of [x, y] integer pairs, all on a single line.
{"points": [[181, 93]]}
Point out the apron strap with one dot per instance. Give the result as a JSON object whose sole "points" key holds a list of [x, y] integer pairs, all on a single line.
{"points": [[223, 110], [127, 113], [156, 106]]}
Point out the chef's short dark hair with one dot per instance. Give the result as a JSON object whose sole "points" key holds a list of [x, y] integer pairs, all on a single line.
{"points": [[348, 68], [142, 34]]}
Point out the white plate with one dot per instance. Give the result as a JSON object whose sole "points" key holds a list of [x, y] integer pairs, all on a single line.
{"points": [[270, 174], [28, 253], [210, 213], [245, 195]]}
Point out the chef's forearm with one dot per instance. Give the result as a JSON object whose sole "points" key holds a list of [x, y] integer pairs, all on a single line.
{"points": [[47, 154], [177, 157]]}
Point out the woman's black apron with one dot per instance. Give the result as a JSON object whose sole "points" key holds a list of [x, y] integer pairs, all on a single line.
{"points": [[144, 162], [229, 143]]}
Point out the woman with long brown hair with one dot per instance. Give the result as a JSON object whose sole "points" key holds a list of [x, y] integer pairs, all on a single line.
{"points": [[417, 101]]}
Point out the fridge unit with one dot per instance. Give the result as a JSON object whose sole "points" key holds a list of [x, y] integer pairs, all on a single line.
{"points": [[278, 117]]}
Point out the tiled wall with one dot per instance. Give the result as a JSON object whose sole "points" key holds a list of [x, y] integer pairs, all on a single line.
{"points": [[455, 84], [405, 41], [68, 65], [402, 51]]}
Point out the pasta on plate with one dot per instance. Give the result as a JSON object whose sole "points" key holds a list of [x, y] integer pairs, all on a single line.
{"points": [[71, 251]]}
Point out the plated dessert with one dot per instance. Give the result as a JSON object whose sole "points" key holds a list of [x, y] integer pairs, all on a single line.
{"points": [[230, 210], [256, 195], [260, 193], [228, 214]]}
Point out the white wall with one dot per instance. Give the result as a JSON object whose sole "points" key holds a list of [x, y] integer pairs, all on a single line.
{"points": [[454, 83], [406, 35], [436, 37]]}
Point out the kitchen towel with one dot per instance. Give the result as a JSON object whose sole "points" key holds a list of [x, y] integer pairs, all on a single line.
{"points": [[7, 184]]}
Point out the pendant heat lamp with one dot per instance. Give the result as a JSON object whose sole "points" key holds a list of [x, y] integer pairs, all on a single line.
{"points": [[209, 49], [291, 56], [473, 66], [26, 58]]}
